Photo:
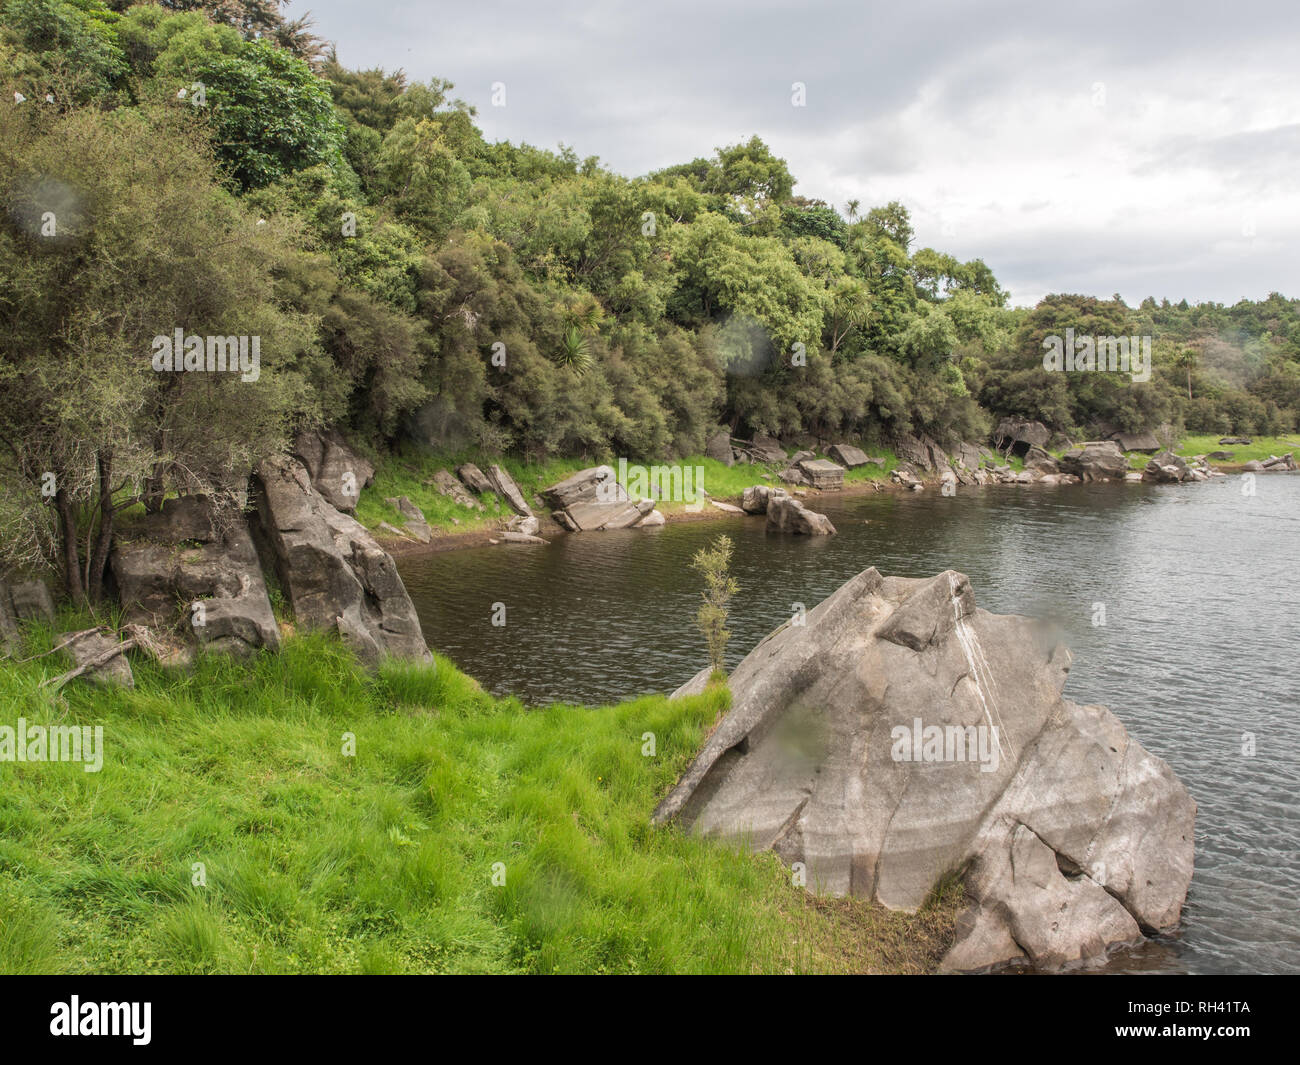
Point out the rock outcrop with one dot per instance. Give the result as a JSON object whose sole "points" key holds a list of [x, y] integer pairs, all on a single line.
{"points": [[337, 472], [848, 456], [902, 734], [1096, 460], [101, 657], [592, 499], [189, 570], [1016, 436], [335, 576]]}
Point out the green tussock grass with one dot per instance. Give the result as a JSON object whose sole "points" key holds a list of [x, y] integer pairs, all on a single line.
{"points": [[383, 862], [1260, 447]]}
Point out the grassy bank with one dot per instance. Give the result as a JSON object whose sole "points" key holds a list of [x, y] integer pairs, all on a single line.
{"points": [[315, 861], [410, 473]]}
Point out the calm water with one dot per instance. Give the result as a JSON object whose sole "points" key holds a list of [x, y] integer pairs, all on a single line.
{"points": [[1199, 585]]}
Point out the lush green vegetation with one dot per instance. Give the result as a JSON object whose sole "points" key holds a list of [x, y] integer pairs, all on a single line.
{"points": [[383, 861], [410, 281]]}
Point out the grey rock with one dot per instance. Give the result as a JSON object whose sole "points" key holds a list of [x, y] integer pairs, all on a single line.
{"points": [[787, 515], [1241, 441], [848, 456], [334, 574], [586, 486], [31, 601], [719, 449], [416, 527], [655, 517], [800, 456], [474, 479], [455, 491], [794, 475], [191, 569], [756, 497], [337, 472], [1074, 838], [1018, 435], [529, 526], [505, 486], [727, 507], [1143, 441], [822, 474], [113, 672], [767, 449], [1096, 460]]}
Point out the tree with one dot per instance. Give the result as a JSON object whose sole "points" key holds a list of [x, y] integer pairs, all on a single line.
{"points": [[719, 587], [99, 267]]}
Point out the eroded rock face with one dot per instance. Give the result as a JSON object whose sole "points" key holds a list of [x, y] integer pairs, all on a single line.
{"points": [[337, 472], [184, 569], [902, 734], [335, 575]]}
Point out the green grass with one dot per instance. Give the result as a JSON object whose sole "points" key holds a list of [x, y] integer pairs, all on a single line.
{"points": [[381, 862], [409, 472], [1261, 447]]}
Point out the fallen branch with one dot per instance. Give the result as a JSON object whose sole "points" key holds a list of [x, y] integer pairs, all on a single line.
{"points": [[100, 659]]}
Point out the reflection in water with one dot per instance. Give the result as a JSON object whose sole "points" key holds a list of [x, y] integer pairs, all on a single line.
{"points": [[1200, 600]]}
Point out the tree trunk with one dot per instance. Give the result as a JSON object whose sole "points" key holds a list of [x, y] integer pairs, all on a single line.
{"points": [[71, 556], [99, 557]]}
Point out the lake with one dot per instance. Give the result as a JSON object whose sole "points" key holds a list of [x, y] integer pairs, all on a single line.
{"points": [[1179, 604]]}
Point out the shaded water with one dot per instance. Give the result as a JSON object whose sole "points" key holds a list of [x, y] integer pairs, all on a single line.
{"points": [[1199, 586]]}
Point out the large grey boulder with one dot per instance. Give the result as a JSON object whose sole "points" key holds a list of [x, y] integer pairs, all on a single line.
{"points": [[192, 570], [474, 478], [848, 456], [1167, 468], [1018, 435], [584, 486], [1096, 460], [335, 575], [822, 474], [506, 488], [767, 449], [913, 451], [337, 472], [1144, 441], [718, 448], [592, 500], [756, 497], [786, 514], [902, 734]]}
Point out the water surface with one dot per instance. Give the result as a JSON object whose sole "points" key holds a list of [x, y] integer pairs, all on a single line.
{"points": [[1199, 590]]}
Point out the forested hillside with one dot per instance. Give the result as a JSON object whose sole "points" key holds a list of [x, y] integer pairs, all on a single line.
{"points": [[210, 167]]}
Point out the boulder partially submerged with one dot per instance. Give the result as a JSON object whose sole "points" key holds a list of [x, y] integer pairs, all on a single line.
{"points": [[902, 734]]}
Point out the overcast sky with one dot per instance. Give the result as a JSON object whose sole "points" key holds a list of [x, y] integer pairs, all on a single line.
{"points": [[1093, 147]]}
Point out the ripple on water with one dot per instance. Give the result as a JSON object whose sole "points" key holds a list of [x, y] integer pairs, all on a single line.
{"points": [[1200, 597]]}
